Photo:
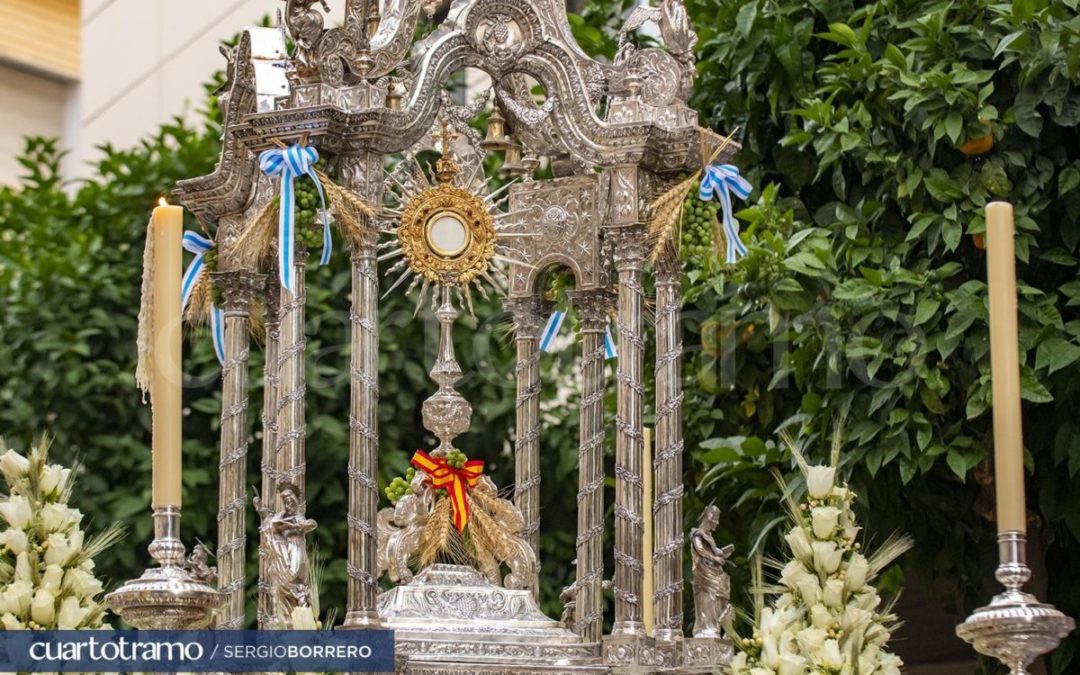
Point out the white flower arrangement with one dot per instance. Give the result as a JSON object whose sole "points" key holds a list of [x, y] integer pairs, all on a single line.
{"points": [[826, 618], [46, 565]]}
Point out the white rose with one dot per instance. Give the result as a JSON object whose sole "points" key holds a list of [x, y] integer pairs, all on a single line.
{"points": [[303, 618], [14, 540], [16, 598], [59, 518], [43, 608], [857, 570], [855, 619], [761, 671], [800, 544], [851, 532], [821, 617], [868, 600], [890, 664], [738, 663], [827, 557], [770, 652], [877, 635], [54, 478], [792, 574], [50, 581], [832, 594], [71, 615], [75, 539], [57, 549], [811, 639], [830, 655], [871, 654], [810, 590], [10, 622], [824, 520], [13, 466], [791, 664], [22, 568], [819, 481], [16, 511], [81, 583]]}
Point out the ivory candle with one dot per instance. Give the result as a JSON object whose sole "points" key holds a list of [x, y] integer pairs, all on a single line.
{"points": [[1005, 368], [647, 585], [165, 395]]}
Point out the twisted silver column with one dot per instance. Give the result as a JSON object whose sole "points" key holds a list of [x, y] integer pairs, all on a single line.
{"points": [[528, 315], [239, 288], [363, 439], [589, 610], [269, 425], [289, 456], [667, 550], [629, 443]]}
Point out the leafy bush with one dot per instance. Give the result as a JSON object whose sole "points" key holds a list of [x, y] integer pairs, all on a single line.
{"points": [[878, 131]]}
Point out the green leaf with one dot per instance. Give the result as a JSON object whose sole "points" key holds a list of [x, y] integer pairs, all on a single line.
{"points": [[1016, 41], [854, 290], [744, 20], [926, 310], [954, 126], [1055, 354], [894, 56], [957, 463]]}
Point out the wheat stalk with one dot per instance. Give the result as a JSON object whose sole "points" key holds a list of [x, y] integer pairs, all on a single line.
{"points": [[202, 298], [256, 242], [667, 211], [436, 535]]}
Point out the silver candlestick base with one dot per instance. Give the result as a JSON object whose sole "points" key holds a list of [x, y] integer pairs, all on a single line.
{"points": [[166, 597], [1015, 628]]}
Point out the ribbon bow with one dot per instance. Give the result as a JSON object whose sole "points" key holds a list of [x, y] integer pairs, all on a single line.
{"points": [[554, 325], [290, 162], [194, 242], [456, 482], [721, 180]]}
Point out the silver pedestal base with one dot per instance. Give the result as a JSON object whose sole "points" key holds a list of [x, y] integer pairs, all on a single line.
{"points": [[450, 619], [1015, 628]]}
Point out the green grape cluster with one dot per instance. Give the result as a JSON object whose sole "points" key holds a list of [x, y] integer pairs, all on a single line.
{"points": [[456, 459], [307, 213], [698, 223], [210, 261], [399, 487]]}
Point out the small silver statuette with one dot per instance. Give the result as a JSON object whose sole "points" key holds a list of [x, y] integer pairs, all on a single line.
{"points": [[712, 586]]}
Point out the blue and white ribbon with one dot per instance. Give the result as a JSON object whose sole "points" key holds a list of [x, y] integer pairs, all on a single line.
{"points": [[293, 161], [720, 180], [551, 331], [199, 245], [554, 325], [609, 344]]}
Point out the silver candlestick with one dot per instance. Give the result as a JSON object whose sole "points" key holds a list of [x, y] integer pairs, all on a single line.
{"points": [[1015, 628], [169, 596]]}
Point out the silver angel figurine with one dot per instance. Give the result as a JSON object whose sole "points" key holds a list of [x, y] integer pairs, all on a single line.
{"points": [[283, 536], [712, 586], [197, 565]]}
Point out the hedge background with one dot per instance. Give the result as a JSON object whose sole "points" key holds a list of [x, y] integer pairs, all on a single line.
{"points": [[863, 293]]}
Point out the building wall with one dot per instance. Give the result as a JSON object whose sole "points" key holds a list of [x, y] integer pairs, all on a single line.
{"points": [[31, 106], [145, 62], [39, 67]]}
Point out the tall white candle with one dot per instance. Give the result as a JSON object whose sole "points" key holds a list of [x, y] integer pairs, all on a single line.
{"points": [[166, 397]]}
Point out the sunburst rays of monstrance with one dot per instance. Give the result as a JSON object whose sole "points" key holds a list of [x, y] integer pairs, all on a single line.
{"points": [[448, 233]]}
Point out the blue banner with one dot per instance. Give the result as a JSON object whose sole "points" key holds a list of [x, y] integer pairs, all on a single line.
{"points": [[197, 651]]}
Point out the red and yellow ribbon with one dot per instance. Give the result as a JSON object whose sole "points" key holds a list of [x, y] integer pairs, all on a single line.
{"points": [[456, 482]]}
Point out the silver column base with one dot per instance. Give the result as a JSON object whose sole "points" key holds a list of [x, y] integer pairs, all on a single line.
{"points": [[166, 597], [1015, 628]]}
